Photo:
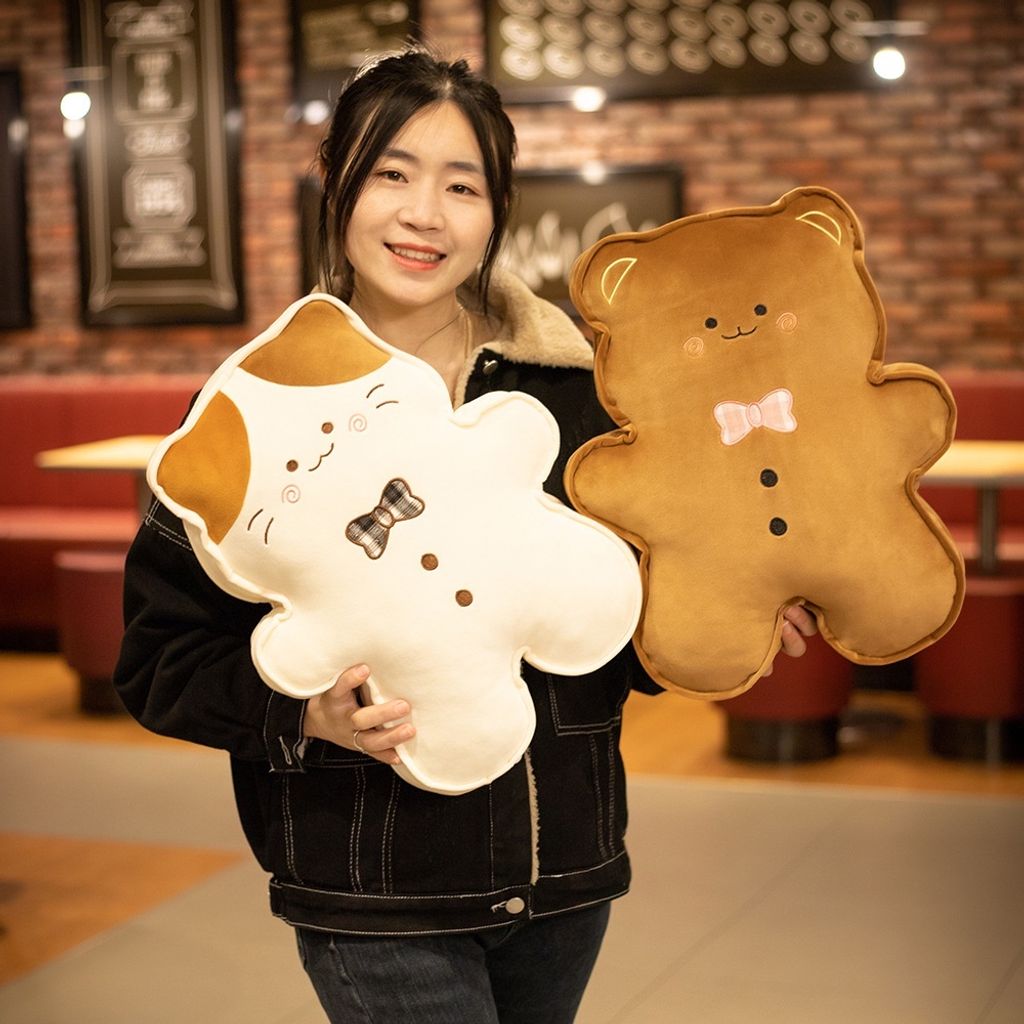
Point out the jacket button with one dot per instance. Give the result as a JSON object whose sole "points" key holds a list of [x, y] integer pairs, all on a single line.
{"points": [[515, 905], [490, 365]]}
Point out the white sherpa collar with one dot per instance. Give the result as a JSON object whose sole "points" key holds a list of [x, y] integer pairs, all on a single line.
{"points": [[528, 329]]}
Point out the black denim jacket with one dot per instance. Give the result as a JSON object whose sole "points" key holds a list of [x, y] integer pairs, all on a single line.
{"points": [[351, 847]]}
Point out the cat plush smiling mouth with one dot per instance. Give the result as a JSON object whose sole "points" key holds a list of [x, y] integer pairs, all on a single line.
{"points": [[326, 473]]}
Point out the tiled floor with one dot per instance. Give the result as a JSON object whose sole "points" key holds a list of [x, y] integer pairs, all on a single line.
{"points": [[756, 899]]}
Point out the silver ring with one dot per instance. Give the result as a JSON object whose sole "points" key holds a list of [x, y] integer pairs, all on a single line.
{"points": [[355, 741]]}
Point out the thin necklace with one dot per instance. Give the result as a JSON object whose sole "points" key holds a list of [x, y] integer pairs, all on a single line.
{"points": [[443, 327]]}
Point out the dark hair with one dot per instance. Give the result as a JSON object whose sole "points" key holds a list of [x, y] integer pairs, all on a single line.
{"points": [[371, 111]]}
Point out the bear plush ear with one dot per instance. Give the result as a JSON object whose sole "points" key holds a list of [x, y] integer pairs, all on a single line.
{"points": [[603, 278], [207, 469], [826, 216]]}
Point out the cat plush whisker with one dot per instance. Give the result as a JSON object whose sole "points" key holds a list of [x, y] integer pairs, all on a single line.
{"points": [[254, 518], [390, 401]]}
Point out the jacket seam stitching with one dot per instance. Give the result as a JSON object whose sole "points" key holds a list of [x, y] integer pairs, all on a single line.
{"points": [[166, 533], [289, 828], [390, 817], [355, 833], [599, 802], [611, 792]]}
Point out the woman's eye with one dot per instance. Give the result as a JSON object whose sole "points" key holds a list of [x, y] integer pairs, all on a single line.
{"points": [[463, 190], [710, 323], [760, 309], [390, 175]]}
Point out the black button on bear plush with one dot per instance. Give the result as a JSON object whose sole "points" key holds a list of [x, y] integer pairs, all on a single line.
{"points": [[769, 478], [778, 526]]}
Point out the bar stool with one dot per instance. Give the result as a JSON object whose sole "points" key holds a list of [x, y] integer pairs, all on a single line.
{"points": [[793, 714], [971, 681], [90, 622]]}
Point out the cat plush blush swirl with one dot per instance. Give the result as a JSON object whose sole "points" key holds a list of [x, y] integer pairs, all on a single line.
{"points": [[325, 472], [766, 454]]}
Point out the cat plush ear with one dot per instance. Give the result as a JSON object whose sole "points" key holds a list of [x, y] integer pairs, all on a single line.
{"points": [[318, 346], [207, 469]]}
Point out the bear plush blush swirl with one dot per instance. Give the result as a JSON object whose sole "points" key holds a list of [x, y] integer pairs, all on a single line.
{"points": [[766, 454], [325, 472]]}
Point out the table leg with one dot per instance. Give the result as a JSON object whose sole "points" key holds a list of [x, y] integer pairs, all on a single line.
{"points": [[988, 528]]}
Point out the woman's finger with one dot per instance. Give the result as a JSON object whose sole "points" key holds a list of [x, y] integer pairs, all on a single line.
{"points": [[800, 617], [381, 743], [793, 642]]}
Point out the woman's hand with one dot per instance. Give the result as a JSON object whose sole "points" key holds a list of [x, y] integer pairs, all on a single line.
{"points": [[799, 622], [337, 716]]}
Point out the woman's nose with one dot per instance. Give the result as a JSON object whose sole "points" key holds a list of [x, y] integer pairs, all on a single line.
{"points": [[422, 209]]}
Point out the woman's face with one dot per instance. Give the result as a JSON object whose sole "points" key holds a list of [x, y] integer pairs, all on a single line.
{"points": [[421, 224]]}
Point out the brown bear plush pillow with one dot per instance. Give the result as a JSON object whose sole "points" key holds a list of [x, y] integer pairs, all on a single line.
{"points": [[766, 455]]}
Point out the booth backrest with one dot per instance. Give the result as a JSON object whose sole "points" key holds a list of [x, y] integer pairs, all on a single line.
{"points": [[38, 412], [990, 407]]}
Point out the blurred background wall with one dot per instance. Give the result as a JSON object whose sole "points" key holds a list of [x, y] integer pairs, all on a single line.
{"points": [[933, 164]]}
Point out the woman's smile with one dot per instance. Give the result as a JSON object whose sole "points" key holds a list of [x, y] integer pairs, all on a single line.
{"points": [[419, 257]]}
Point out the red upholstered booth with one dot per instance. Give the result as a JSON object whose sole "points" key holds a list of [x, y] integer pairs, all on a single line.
{"points": [[45, 511], [795, 713], [990, 407], [972, 681], [89, 594]]}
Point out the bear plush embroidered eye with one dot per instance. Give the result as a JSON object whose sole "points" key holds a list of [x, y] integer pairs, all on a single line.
{"points": [[779, 468], [421, 542]]}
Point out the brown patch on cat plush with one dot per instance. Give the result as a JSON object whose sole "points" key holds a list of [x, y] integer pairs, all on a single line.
{"points": [[318, 346], [207, 470]]}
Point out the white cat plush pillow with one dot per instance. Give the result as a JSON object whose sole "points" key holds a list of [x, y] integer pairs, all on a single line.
{"points": [[325, 472]]}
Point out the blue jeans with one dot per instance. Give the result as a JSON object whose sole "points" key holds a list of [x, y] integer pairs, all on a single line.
{"points": [[530, 972]]}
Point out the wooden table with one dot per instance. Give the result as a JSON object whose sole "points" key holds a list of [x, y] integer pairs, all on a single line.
{"points": [[130, 453], [989, 466]]}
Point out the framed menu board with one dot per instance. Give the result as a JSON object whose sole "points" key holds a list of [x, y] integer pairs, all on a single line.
{"points": [[14, 284], [543, 50], [332, 38], [560, 213], [157, 162]]}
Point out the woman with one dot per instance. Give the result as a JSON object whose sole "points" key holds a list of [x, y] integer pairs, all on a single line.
{"points": [[410, 906]]}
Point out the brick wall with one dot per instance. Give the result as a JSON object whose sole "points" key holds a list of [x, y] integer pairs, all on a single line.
{"points": [[934, 165]]}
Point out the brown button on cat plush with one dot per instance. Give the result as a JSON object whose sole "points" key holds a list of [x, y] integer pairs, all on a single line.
{"points": [[766, 455]]}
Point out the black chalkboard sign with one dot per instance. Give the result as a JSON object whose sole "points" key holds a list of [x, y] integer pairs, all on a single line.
{"points": [[560, 213], [543, 50], [331, 39], [157, 162], [15, 308]]}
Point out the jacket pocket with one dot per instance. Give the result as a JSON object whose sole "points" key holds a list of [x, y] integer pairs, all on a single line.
{"points": [[589, 703]]}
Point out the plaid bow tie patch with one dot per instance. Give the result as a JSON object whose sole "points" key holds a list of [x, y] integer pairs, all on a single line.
{"points": [[397, 502]]}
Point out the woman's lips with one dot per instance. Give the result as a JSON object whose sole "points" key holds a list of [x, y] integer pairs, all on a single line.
{"points": [[414, 258]]}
